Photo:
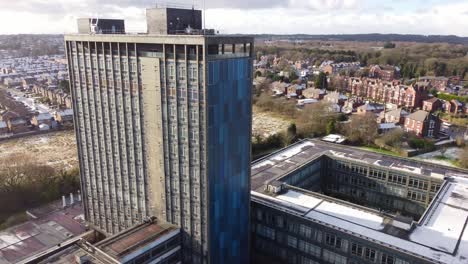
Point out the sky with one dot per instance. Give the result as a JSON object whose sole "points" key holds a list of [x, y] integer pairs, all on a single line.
{"points": [[425, 17]]}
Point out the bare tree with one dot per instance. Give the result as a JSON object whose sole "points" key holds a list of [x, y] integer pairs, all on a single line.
{"points": [[363, 129], [314, 119]]}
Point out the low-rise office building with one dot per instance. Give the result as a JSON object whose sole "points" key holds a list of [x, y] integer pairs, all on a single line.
{"points": [[146, 243], [315, 202]]}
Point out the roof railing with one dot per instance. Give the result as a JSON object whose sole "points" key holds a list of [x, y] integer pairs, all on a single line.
{"points": [[177, 5]]}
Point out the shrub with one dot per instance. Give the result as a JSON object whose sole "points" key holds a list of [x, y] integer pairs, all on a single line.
{"points": [[420, 143], [272, 142]]}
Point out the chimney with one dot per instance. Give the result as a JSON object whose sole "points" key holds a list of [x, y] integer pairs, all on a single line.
{"points": [[71, 199], [64, 201]]}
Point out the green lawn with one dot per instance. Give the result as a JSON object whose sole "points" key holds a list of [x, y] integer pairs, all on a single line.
{"points": [[455, 163]]}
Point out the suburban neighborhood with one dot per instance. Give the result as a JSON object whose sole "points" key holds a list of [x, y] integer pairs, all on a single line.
{"points": [[35, 95]]}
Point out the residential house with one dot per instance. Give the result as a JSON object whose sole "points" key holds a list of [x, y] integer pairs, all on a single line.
{"points": [[28, 82], [64, 117], [453, 107], [416, 94], [386, 73], [42, 118], [432, 105], [335, 98], [440, 83], [280, 88], [396, 116], [423, 124], [335, 68], [10, 82], [370, 108], [390, 92], [3, 127], [18, 125], [295, 90], [7, 115], [351, 105], [312, 93], [457, 106]]}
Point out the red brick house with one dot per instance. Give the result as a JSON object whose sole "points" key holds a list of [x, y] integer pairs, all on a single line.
{"points": [[416, 94], [432, 105], [457, 106], [387, 73], [423, 124], [440, 83]]}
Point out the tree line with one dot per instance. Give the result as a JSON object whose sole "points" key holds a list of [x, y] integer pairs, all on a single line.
{"points": [[25, 184]]}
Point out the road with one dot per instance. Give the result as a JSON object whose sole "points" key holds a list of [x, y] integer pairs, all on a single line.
{"points": [[29, 102]]}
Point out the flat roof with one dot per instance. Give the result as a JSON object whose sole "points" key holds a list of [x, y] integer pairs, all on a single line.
{"points": [[161, 39], [440, 236], [285, 161], [121, 247], [51, 228], [127, 242]]}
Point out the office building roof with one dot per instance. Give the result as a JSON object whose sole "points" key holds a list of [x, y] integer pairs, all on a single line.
{"points": [[126, 243], [283, 162], [440, 236], [120, 248]]}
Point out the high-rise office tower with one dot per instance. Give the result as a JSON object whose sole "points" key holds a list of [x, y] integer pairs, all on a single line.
{"points": [[163, 124]]}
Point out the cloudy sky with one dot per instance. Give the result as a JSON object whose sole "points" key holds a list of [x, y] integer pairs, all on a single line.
{"points": [[427, 17]]}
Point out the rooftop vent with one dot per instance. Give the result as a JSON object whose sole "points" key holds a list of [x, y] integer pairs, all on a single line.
{"points": [[401, 222], [275, 187], [101, 26]]}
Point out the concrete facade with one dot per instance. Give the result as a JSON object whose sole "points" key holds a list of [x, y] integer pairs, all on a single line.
{"points": [[150, 120]]}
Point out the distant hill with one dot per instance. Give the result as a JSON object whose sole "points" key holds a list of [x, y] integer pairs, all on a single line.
{"points": [[371, 38]]}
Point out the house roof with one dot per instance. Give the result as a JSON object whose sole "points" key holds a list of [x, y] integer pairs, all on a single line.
{"points": [[397, 112], [432, 100], [18, 121], [371, 107], [387, 126], [336, 96], [9, 115], [66, 112], [44, 116], [419, 115]]}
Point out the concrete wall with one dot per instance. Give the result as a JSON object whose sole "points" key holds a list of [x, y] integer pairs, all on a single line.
{"points": [[150, 74]]}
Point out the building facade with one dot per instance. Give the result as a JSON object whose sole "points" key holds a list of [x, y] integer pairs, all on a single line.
{"points": [[315, 202], [390, 92], [423, 124], [163, 125]]}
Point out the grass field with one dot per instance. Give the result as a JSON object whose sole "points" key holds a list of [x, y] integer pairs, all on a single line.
{"points": [[57, 149]]}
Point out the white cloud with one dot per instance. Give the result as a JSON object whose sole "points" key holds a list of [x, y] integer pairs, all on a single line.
{"points": [[285, 17]]}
